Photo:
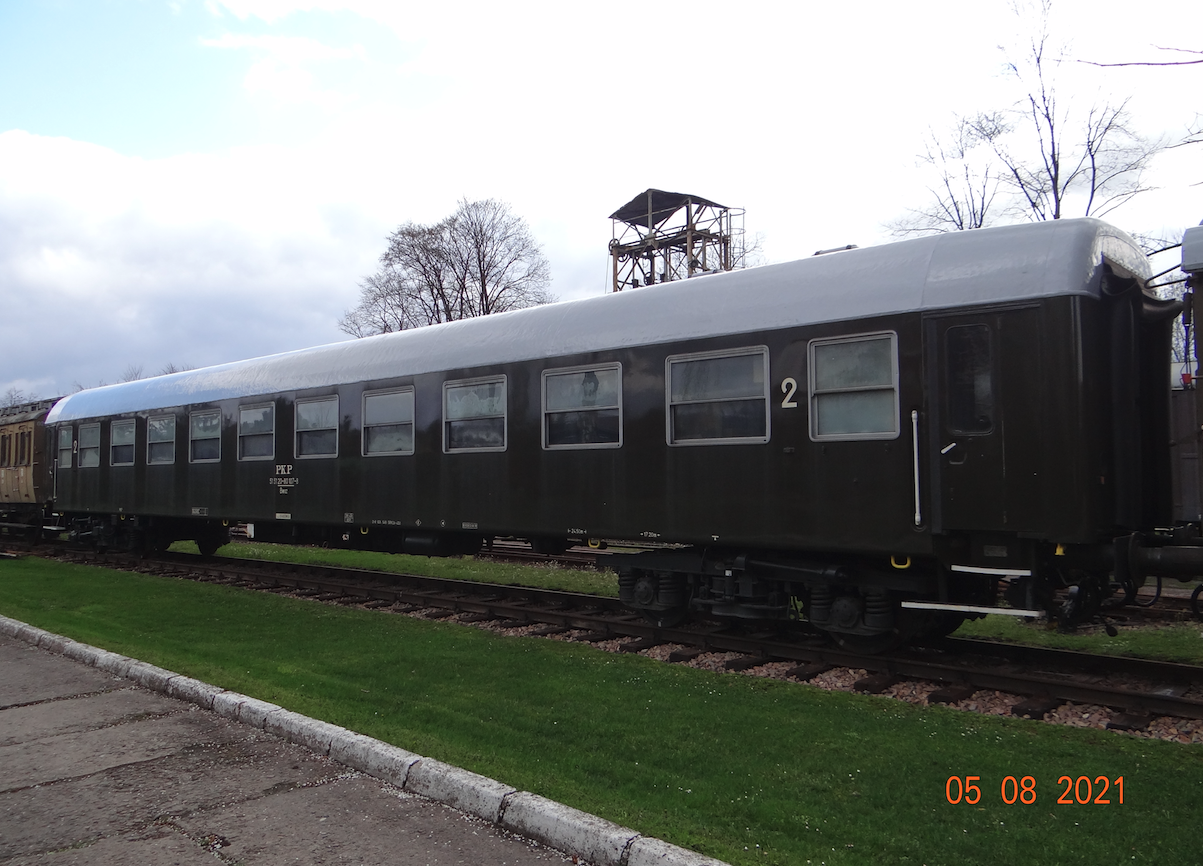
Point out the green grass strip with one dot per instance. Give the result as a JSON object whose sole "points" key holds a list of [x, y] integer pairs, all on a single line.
{"points": [[451, 568], [1172, 642], [747, 770]]}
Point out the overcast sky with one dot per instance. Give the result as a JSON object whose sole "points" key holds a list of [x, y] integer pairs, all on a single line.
{"points": [[197, 182]]}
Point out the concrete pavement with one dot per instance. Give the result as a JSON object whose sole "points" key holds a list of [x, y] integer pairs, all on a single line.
{"points": [[106, 760]]}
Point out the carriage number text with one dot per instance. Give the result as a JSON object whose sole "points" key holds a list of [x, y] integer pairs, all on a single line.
{"points": [[789, 387]]}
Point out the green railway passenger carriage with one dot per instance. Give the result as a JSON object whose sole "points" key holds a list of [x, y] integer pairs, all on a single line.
{"points": [[871, 440]]}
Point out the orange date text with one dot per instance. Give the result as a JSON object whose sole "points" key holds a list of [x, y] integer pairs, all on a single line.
{"points": [[1072, 790]]}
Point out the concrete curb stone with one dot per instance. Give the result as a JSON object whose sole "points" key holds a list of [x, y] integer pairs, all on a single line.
{"points": [[27, 633], [81, 652], [311, 733], [254, 712], [655, 852], [154, 678], [226, 704], [56, 643], [467, 791], [188, 689], [554, 824], [112, 663], [390, 763], [351, 749], [567, 829]]}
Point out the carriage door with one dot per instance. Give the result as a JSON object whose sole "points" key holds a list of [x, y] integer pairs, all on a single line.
{"points": [[983, 419]]}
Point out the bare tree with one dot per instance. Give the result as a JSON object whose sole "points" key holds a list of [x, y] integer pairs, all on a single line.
{"points": [[496, 262], [1049, 151], [133, 372], [480, 260], [1050, 158], [172, 367], [1194, 130], [966, 185], [1190, 62], [751, 253], [1194, 133], [14, 396]]}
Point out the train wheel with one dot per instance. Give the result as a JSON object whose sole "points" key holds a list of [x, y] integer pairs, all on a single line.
{"points": [[210, 543], [1194, 601]]}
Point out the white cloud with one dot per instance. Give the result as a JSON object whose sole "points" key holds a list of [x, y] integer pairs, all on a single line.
{"points": [[281, 72], [145, 261]]}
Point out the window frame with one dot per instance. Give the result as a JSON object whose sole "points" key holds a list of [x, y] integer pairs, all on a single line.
{"points": [[686, 357], [813, 393], [297, 431], [192, 439], [365, 426], [544, 411], [70, 449], [505, 416], [270, 404], [89, 427], [123, 424], [149, 442]]}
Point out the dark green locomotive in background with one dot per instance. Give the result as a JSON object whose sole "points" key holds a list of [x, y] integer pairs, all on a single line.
{"points": [[872, 440]]}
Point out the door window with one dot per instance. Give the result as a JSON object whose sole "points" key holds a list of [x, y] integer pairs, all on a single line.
{"points": [[970, 391]]}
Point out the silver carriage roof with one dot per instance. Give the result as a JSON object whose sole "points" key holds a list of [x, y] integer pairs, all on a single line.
{"points": [[1009, 263]]}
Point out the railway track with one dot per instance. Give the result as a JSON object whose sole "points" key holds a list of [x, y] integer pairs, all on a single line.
{"points": [[1045, 679], [516, 551]]}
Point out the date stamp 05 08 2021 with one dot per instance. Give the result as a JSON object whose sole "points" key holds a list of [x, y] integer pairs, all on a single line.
{"points": [[1080, 791]]}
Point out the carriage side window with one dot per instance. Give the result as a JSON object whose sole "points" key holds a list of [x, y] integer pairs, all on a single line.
{"points": [[64, 447], [317, 427], [121, 443], [160, 439], [582, 408], [204, 437], [718, 397], [970, 379], [854, 388], [6, 448], [474, 415], [89, 445], [25, 448], [257, 432], [388, 422]]}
